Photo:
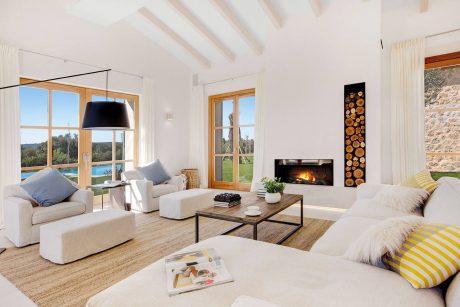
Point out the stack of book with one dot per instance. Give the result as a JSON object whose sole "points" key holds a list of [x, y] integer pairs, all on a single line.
{"points": [[227, 200]]}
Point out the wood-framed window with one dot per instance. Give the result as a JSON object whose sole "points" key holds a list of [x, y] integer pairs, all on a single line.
{"points": [[442, 114], [52, 136], [231, 139]]}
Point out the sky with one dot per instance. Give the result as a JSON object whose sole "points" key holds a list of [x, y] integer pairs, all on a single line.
{"points": [[65, 113], [247, 114]]}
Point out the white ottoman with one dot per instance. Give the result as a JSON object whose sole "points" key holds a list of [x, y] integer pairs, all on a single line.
{"points": [[79, 236], [184, 204]]}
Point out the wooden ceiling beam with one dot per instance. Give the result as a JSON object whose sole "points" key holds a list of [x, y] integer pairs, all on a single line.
{"points": [[271, 12], [200, 27], [316, 7], [424, 6], [174, 36], [237, 25]]}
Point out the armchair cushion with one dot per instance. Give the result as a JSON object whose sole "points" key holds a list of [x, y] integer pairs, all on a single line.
{"points": [[154, 172], [49, 189], [58, 211]]}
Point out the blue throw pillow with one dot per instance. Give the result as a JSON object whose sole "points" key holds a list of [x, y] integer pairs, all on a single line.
{"points": [[154, 172], [50, 189]]}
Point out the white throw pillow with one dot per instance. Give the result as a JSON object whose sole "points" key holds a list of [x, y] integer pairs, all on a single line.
{"points": [[384, 237], [247, 301], [401, 198]]}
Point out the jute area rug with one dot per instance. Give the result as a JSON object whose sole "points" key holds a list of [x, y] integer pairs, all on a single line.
{"points": [[49, 284]]}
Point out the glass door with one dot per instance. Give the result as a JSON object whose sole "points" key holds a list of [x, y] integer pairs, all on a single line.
{"points": [[231, 139]]}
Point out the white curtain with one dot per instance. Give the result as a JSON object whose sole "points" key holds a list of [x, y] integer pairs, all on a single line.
{"points": [[147, 122], [10, 139], [259, 134], [407, 108], [198, 156]]}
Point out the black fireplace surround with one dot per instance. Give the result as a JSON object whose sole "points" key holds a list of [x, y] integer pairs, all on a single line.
{"points": [[305, 171]]}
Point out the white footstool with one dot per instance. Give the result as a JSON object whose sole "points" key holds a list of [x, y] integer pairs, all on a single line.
{"points": [[79, 236], [184, 204]]}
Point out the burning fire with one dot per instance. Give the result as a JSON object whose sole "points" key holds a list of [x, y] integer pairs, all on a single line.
{"points": [[307, 176]]}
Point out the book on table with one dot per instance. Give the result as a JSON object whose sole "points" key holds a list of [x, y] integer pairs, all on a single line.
{"points": [[195, 270], [224, 204]]}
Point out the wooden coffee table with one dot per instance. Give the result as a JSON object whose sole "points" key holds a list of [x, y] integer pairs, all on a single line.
{"points": [[236, 214]]}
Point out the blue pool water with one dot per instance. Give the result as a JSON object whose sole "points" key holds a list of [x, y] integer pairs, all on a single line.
{"points": [[99, 170]]}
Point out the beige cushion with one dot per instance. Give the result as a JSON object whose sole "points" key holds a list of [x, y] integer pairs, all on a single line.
{"points": [[368, 208], [56, 212], [453, 292], [444, 204], [163, 189], [341, 235]]}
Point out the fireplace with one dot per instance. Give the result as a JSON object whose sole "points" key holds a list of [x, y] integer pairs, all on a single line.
{"points": [[305, 171]]}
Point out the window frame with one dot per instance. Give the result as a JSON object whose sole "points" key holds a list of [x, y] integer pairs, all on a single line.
{"points": [[84, 136], [235, 184]]}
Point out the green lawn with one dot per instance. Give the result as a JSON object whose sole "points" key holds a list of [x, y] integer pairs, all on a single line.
{"points": [[246, 168], [437, 175], [98, 180]]}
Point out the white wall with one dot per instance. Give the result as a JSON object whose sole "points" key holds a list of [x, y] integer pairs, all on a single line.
{"points": [[47, 28], [401, 20], [307, 63]]}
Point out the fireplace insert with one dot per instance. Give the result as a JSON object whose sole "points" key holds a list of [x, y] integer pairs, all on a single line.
{"points": [[305, 171]]}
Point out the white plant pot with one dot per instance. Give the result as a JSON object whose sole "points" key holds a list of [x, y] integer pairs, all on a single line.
{"points": [[272, 198]]}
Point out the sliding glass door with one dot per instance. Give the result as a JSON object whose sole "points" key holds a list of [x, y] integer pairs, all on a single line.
{"points": [[231, 140], [51, 134]]}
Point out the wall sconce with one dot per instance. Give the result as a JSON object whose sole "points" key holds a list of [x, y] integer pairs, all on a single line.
{"points": [[169, 116]]}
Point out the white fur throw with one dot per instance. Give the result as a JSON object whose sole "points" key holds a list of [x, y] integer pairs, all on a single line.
{"points": [[384, 237], [401, 198]]}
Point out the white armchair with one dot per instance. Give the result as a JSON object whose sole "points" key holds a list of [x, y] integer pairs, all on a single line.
{"points": [[144, 196], [23, 221]]}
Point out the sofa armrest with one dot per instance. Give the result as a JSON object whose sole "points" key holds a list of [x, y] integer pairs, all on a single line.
{"points": [[180, 181], [139, 194], [18, 220], [369, 190], [84, 197]]}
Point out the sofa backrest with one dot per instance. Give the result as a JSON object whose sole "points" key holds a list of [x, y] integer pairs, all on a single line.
{"points": [[132, 175], [443, 206]]}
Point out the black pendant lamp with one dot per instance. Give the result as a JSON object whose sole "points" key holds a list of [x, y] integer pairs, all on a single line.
{"points": [[105, 115]]}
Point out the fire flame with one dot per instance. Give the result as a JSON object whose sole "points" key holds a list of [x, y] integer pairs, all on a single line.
{"points": [[307, 176]]}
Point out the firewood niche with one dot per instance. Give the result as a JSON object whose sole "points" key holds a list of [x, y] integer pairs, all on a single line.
{"points": [[355, 134]]}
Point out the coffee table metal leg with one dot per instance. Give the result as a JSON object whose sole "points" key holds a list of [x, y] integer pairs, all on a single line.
{"points": [[197, 229], [254, 232], [301, 212]]}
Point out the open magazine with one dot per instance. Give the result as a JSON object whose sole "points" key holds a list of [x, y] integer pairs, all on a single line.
{"points": [[195, 270]]}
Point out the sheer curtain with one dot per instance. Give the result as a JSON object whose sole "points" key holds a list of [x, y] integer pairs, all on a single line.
{"points": [[147, 122], [407, 108], [10, 139], [259, 134], [198, 156]]}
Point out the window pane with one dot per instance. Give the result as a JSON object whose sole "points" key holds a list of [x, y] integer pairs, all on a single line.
{"points": [[246, 164], [441, 86], [124, 145], [34, 147], [34, 106], [119, 167], [65, 109], [443, 163], [223, 113], [223, 169], [71, 173], [102, 145], [224, 141], [65, 146], [247, 108], [246, 140], [99, 174], [27, 174], [101, 98]]}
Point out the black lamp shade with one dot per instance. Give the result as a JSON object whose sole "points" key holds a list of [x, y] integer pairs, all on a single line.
{"points": [[105, 115]]}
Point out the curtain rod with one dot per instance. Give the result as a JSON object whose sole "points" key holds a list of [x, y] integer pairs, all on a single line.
{"points": [[81, 63], [441, 33], [228, 79], [57, 78]]}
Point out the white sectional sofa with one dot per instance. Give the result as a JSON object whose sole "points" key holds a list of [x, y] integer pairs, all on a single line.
{"points": [[143, 195], [290, 277]]}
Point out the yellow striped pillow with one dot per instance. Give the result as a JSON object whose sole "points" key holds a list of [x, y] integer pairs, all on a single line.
{"points": [[421, 180], [429, 256]]}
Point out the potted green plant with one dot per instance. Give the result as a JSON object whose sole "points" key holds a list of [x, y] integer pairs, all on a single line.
{"points": [[274, 189]]}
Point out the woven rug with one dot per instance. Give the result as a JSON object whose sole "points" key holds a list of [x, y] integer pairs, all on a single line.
{"points": [[49, 284]]}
